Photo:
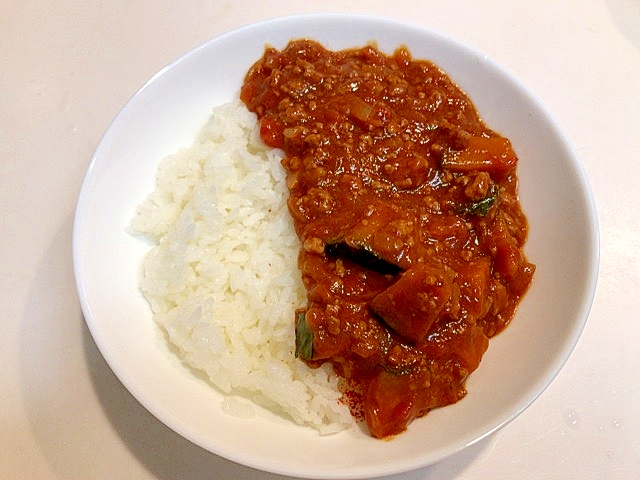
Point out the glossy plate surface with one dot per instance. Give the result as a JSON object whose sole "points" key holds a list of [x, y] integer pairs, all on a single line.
{"points": [[167, 113]]}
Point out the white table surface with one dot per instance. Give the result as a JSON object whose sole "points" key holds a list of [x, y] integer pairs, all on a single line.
{"points": [[66, 69]]}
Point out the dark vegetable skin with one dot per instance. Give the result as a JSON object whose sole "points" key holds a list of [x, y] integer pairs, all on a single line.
{"points": [[363, 255]]}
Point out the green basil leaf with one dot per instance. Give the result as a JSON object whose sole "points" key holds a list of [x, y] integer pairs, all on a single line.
{"points": [[481, 207], [304, 337]]}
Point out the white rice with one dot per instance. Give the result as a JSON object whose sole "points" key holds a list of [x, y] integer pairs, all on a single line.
{"points": [[222, 278]]}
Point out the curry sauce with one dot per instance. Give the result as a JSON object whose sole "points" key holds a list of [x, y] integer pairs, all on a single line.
{"points": [[407, 208]]}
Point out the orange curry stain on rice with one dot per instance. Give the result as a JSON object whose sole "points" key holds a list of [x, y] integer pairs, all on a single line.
{"points": [[407, 209]]}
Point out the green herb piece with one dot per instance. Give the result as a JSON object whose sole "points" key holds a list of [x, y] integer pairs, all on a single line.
{"points": [[481, 207], [304, 337]]}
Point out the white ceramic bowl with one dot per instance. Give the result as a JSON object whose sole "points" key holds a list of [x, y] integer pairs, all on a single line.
{"points": [[520, 363]]}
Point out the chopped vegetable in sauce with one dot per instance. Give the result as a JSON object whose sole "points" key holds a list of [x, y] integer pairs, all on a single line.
{"points": [[407, 209]]}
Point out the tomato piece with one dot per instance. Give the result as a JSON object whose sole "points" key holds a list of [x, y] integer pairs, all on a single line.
{"points": [[391, 403], [470, 346], [413, 303], [490, 154], [474, 282], [271, 132]]}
